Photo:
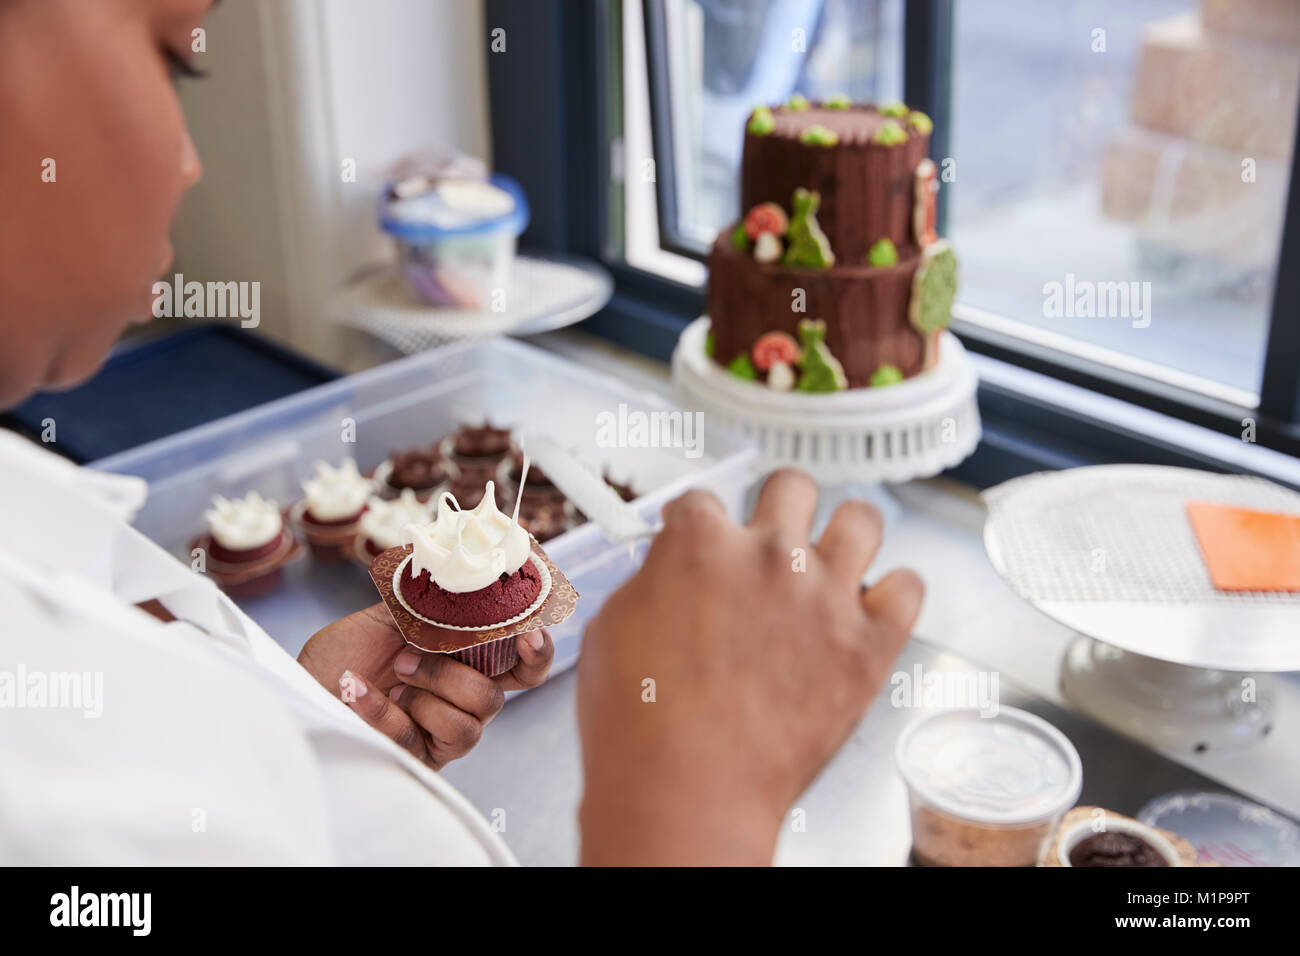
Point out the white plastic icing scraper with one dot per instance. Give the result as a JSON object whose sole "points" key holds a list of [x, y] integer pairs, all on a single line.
{"points": [[588, 491]]}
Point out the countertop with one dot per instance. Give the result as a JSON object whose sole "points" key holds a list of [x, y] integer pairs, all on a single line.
{"points": [[528, 760]]}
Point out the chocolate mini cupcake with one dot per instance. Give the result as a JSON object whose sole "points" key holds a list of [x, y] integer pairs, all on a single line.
{"points": [[478, 447], [328, 515], [1095, 837], [246, 545], [468, 488], [544, 511], [473, 569], [384, 520], [545, 520], [419, 469]]}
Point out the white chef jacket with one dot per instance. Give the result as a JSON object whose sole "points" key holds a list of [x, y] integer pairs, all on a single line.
{"points": [[213, 746]]}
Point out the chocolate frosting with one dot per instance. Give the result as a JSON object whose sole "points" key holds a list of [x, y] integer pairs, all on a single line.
{"points": [[419, 468], [865, 309], [1115, 849], [866, 187], [481, 441]]}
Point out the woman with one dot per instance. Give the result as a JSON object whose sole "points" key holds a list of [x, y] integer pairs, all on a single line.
{"points": [[194, 737]]}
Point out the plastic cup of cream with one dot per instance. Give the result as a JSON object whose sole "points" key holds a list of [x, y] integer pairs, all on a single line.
{"points": [[986, 791]]}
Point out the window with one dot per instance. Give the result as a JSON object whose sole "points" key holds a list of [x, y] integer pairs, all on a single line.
{"points": [[1120, 196], [1121, 174], [721, 57]]}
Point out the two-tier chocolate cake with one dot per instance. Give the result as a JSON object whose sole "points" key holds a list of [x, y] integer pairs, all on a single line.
{"points": [[834, 278]]}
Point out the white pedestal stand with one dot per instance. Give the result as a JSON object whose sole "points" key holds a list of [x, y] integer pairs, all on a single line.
{"points": [[1163, 656], [543, 294], [849, 441]]}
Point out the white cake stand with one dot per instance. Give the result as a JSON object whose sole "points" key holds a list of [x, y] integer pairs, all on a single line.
{"points": [[1163, 656], [914, 429], [543, 294]]}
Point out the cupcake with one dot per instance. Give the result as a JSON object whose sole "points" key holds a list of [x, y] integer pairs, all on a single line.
{"points": [[468, 488], [473, 569], [334, 501], [544, 511], [246, 544], [545, 520], [419, 469], [478, 448], [384, 520]]}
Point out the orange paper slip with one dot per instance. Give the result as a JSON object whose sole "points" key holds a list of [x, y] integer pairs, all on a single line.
{"points": [[1247, 550]]}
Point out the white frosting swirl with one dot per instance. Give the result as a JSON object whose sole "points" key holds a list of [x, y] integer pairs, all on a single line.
{"points": [[467, 550], [241, 524], [384, 521], [336, 493]]}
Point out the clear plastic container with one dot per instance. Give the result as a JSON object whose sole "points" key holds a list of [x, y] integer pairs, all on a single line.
{"points": [[986, 791], [454, 249], [410, 402]]}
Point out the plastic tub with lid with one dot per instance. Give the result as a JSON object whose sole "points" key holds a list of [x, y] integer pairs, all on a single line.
{"points": [[456, 239], [986, 790]]}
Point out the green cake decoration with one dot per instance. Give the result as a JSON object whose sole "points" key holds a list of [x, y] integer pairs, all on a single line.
{"points": [[743, 367], [818, 135], [882, 254], [709, 344], [760, 121], [890, 134], [807, 246], [893, 108], [921, 123], [819, 370], [839, 101], [933, 289], [797, 102], [740, 238], [886, 375]]}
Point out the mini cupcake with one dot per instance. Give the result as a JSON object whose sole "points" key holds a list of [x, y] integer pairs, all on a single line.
{"points": [[384, 520], [419, 469], [544, 511], [468, 488], [473, 570], [334, 501], [539, 488], [545, 520], [478, 448], [246, 545]]}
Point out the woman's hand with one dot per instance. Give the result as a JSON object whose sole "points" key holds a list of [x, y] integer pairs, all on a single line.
{"points": [[719, 680], [430, 704]]}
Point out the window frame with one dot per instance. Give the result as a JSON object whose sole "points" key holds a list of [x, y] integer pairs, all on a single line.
{"points": [[567, 76]]}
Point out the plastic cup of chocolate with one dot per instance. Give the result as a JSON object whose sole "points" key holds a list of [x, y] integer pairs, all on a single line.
{"points": [[986, 790], [1122, 843]]}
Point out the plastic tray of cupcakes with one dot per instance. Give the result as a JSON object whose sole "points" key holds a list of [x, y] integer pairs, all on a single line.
{"points": [[434, 422]]}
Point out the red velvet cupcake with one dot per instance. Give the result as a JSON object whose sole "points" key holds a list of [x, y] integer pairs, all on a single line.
{"points": [[246, 545], [473, 570], [328, 515], [382, 525]]}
